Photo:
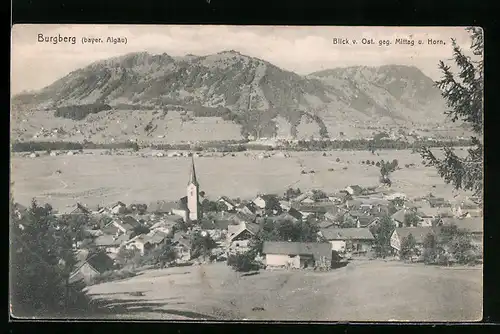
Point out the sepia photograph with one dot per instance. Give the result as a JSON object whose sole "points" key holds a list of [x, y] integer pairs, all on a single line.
{"points": [[246, 173]]}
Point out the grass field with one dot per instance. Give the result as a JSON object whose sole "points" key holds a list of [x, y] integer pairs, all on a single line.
{"points": [[362, 291], [100, 179]]}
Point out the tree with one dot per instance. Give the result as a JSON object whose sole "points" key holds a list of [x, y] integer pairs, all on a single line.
{"points": [[408, 245], [201, 245], [382, 233], [398, 202], [430, 246], [291, 193], [243, 262], [42, 259], [386, 168], [138, 230], [411, 219], [464, 97], [348, 222]]}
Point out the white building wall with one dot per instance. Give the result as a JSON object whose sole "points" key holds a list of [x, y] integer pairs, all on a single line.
{"points": [[276, 260], [338, 245]]}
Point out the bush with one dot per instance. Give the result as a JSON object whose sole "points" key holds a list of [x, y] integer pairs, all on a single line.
{"points": [[243, 262]]}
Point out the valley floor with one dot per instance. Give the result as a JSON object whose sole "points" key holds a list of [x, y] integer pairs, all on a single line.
{"points": [[375, 290], [95, 179]]}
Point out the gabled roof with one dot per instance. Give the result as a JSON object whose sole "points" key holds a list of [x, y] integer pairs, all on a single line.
{"points": [[109, 240], [366, 220], [227, 199], [181, 238], [472, 225], [399, 215], [317, 249], [130, 221], [162, 206], [419, 233], [100, 262], [347, 233]]}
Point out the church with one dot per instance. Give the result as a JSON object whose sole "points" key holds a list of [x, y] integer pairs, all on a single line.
{"points": [[187, 207], [193, 196]]}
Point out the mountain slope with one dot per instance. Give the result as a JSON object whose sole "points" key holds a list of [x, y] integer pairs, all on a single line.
{"points": [[249, 96]]}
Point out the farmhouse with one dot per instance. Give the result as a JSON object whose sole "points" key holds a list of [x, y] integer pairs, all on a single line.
{"points": [[419, 233], [266, 201], [239, 236], [110, 243], [356, 240], [118, 208], [227, 202], [146, 242], [91, 267], [126, 224], [473, 226], [296, 254], [182, 246]]}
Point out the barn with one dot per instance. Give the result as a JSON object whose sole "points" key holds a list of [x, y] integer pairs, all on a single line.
{"points": [[296, 255]]}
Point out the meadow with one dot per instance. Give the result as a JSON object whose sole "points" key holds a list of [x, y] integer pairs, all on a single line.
{"points": [[93, 179], [362, 291]]}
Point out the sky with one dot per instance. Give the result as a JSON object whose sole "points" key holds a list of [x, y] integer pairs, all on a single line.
{"points": [[301, 49]]}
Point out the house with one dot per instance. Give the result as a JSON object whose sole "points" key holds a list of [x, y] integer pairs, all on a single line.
{"points": [[110, 243], [437, 202], [227, 202], [126, 224], [339, 198], [118, 208], [399, 217], [353, 204], [473, 226], [311, 209], [78, 209], [266, 201], [93, 266], [239, 236], [241, 217], [182, 245], [162, 207], [247, 208], [146, 242], [393, 196], [354, 190], [356, 240], [366, 221], [296, 255], [418, 233], [217, 229]]}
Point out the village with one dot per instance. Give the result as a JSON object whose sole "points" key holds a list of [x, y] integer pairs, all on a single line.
{"points": [[345, 223]]}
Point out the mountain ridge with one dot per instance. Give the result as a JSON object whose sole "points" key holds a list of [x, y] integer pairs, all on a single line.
{"points": [[256, 96]]}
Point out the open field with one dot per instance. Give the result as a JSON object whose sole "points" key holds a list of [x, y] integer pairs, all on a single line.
{"points": [[101, 179], [362, 291]]}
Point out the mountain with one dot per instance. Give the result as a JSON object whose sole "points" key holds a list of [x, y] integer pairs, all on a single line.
{"points": [[223, 96]]}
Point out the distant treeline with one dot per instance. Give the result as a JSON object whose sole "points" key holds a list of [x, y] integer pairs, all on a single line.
{"points": [[79, 112], [66, 146], [241, 145]]}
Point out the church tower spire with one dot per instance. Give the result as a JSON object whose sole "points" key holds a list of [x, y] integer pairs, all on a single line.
{"points": [[193, 195], [192, 176]]}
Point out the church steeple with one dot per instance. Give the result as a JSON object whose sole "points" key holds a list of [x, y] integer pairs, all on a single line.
{"points": [[193, 195], [192, 176]]}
